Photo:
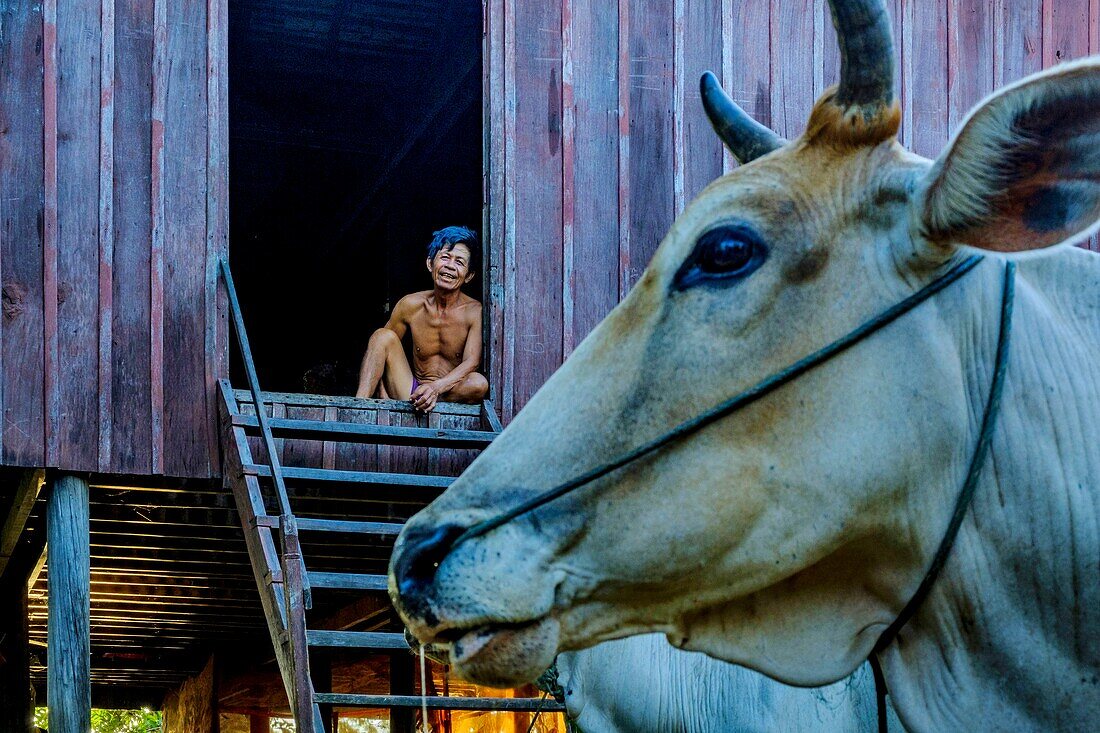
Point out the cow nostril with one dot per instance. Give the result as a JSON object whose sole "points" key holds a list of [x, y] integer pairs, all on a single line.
{"points": [[416, 567]]}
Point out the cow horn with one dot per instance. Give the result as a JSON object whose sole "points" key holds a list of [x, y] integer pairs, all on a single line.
{"points": [[746, 138], [866, 53]]}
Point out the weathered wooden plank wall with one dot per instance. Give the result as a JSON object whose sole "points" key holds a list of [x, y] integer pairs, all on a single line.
{"points": [[112, 212], [113, 178], [596, 139]]}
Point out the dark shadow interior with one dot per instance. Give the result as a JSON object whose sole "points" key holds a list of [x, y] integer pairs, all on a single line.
{"points": [[355, 132]]}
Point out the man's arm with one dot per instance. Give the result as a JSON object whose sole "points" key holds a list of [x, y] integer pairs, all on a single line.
{"points": [[399, 316], [426, 395]]}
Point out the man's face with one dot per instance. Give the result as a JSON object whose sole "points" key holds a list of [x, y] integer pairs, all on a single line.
{"points": [[451, 267]]}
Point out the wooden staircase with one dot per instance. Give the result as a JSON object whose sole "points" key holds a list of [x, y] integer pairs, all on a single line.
{"points": [[320, 470]]}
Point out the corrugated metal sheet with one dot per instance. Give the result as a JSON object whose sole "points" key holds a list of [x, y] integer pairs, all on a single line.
{"points": [[596, 139]]}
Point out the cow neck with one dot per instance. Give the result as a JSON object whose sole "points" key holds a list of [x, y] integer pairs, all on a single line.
{"points": [[966, 494]]}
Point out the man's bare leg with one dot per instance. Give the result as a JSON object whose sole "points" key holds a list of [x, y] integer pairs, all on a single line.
{"points": [[385, 364], [471, 389]]}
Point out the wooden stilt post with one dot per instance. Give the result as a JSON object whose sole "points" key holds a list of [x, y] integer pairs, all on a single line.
{"points": [[16, 696], [259, 724], [68, 674]]}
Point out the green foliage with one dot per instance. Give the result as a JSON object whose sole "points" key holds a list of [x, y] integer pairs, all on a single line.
{"points": [[113, 721], [347, 725]]}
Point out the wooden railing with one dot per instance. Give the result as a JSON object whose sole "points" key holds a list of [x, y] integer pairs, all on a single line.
{"points": [[295, 585]]}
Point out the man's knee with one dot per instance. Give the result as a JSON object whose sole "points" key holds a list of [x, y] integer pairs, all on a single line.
{"points": [[477, 385], [384, 338]]}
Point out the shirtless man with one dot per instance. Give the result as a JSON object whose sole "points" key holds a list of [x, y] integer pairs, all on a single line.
{"points": [[446, 334]]}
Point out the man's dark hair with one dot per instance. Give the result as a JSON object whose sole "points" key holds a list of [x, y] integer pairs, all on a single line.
{"points": [[448, 237]]}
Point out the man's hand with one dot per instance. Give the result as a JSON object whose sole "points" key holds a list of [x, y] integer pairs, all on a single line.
{"points": [[425, 397]]}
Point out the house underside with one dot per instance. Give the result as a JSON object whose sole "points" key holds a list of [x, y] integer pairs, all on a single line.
{"points": [[354, 131]]}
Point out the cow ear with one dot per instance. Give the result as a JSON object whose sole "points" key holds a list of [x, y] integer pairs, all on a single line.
{"points": [[1023, 173]]}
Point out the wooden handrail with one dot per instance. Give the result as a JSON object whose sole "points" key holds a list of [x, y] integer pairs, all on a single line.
{"points": [[296, 589], [254, 387]]}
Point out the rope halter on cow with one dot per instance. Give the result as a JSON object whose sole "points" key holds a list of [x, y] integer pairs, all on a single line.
{"points": [[861, 111], [792, 372]]}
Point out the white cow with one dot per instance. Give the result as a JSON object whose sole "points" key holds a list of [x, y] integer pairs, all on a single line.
{"points": [[789, 535], [645, 685]]}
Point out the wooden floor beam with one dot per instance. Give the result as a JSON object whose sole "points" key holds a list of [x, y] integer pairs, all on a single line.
{"points": [[69, 673], [11, 529]]}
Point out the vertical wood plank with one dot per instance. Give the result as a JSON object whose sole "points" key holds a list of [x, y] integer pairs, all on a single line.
{"points": [[1094, 26], [496, 194], [1067, 31], [131, 438], [623, 169], [538, 195], [50, 80], [21, 235], [970, 56], [1021, 33], [822, 19], [792, 47], [749, 82], [437, 457], [106, 232], [926, 72], [568, 161], [508, 389], [830, 50], [356, 456], [79, 50], [1094, 47], [650, 167], [1069, 25], [726, 74], [896, 9], [679, 162], [303, 453], [408, 459], [69, 586], [186, 419], [383, 459], [156, 246], [217, 204], [328, 447], [701, 41], [594, 246]]}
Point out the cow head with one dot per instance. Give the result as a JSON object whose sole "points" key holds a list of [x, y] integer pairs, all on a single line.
{"points": [[786, 536]]}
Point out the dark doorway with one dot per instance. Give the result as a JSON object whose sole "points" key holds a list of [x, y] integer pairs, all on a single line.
{"points": [[355, 131]]}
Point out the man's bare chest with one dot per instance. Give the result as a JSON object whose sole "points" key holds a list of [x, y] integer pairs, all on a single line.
{"points": [[434, 334]]}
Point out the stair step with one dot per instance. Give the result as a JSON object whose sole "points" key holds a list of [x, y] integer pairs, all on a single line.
{"points": [[347, 581], [390, 529], [347, 526], [357, 639], [349, 432], [352, 477], [435, 702]]}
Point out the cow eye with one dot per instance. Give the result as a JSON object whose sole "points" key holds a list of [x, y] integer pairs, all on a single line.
{"points": [[724, 254]]}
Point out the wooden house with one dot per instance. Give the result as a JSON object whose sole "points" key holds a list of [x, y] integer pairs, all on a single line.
{"points": [[314, 146]]}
